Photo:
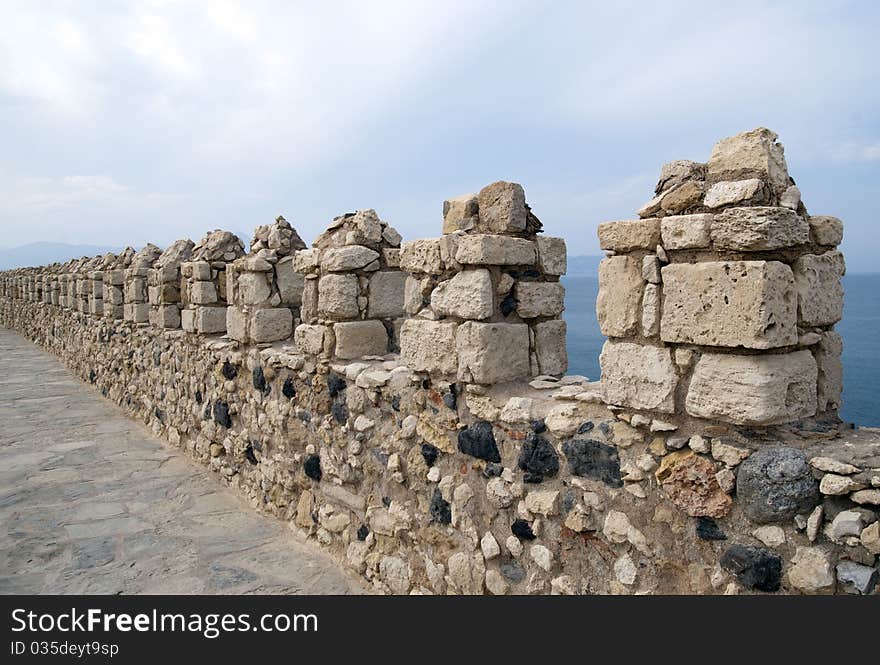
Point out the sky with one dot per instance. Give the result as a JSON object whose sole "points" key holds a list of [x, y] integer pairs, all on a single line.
{"points": [[131, 122]]}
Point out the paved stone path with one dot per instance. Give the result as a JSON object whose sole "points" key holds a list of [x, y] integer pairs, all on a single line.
{"points": [[90, 502]]}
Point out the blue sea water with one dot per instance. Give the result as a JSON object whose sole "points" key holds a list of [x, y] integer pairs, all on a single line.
{"points": [[860, 330]]}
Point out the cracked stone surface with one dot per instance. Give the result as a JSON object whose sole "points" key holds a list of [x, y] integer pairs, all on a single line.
{"points": [[91, 503]]}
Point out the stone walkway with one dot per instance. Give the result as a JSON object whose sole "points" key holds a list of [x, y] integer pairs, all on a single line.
{"points": [[90, 502]]}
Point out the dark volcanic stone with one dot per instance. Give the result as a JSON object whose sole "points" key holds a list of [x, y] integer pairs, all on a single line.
{"points": [[249, 455], [775, 484], [708, 529], [386, 501], [508, 305], [479, 441], [198, 397], [522, 530], [430, 453], [92, 376], [229, 371], [533, 478], [539, 426], [207, 414], [585, 427], [363, 532], [339, 411], [395, 402], [335, 384], [755, 568], [450, 399], [221, 414], [593, 459], [312, 467], [158, 414], [441, 511], [288, 389], [260, 381], [493, 470], [538, 456], [513, 571]]}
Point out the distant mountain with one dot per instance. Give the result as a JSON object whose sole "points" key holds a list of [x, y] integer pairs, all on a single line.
{"points": [[583, 266], [44, 253]]}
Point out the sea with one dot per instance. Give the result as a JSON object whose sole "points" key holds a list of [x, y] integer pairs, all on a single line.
{"points": [[860, 329]]}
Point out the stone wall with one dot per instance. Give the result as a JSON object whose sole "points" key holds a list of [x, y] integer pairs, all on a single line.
{"points": [[449, 472]]}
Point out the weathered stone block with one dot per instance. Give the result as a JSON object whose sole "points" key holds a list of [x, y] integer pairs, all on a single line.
{"points": [[536, 299], [290, 282], [758, 228], [355, 339], [550, 347], [386, 294], [350, 257], [552, 256], [826, 230], [210, 320], [202, 293], [306, 260], [750, 154], [252, 288], [468, 295], [627, 235], [819, 291], [729, 303], [429, 346], [753, 390], [492, 352], [236, 323], [460, 213], [638, 376], [188, 320], [313, 340], [338, 296], [491, 250], [136, 312], [309, 310], [271, 324], [651, 310], [200, 271], [421, 256], [830, 371], [619, 304], [165, 316], [736, 191], [502, 208]]}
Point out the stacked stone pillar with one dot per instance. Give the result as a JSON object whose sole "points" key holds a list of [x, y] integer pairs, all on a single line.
{"points": [[264, 291], [720, 301], [203, 289], [485, 299], [163, 284], [353, 292], [136, 303], [114, 285]]}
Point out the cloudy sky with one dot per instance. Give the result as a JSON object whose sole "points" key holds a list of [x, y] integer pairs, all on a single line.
{"points": [[128, 122]]}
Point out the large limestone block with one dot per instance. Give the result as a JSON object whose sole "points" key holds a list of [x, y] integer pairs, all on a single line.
{"points": [[338, 296], [237, 323], [536, 299], [826, 230], [819, 291], [627, 235], [309, 309], [502, 208], [638, 376], [313, 340], [290, 282], [210, 320], [386, 294], [751, 154], [619, 303], [468, 295], [421, 256], [136, 312], [350, 257], [552, 256], [686, 231], [729, 303], [550, 347], [165, 316], [460, 213], [271, 324], [736, 191], [753, 390], [492, 352], [202, 293], [252, 288], [355, 339], [830, 371], [651, 310], [759, 228], [429, 346], [492, 250]]}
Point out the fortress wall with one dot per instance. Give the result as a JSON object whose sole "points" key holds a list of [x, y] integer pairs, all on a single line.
{"points": [[470, 466]]}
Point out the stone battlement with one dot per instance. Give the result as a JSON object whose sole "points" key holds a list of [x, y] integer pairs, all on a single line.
{"points": [[406, 403]]}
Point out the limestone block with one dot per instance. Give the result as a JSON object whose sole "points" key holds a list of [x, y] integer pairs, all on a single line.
{"points": [[651, 268], [114, 277], [826, 230], [502, 208], [619, 303], [468, 295], [758, 228], [819, 291], [210, 320], [729, 303], [460, 213], [237, 323], [736, 191], [750, 154], [271, 324], [355, 339], [202, 293], [290, 282], [492, 352], [550, 347], [200, 271], [830, 371], [306, 260], [651, 310], [552, 255], [252, 288], [414, 294], [350, 257], [495, 250], [188, 320], [313, 340], [627, 235], [386, 294], [338, 296], [136, 312], [638, 376], [753, 390], [309, 310], [421, 256], [165, 316], [536, 299], [429, 346]]}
